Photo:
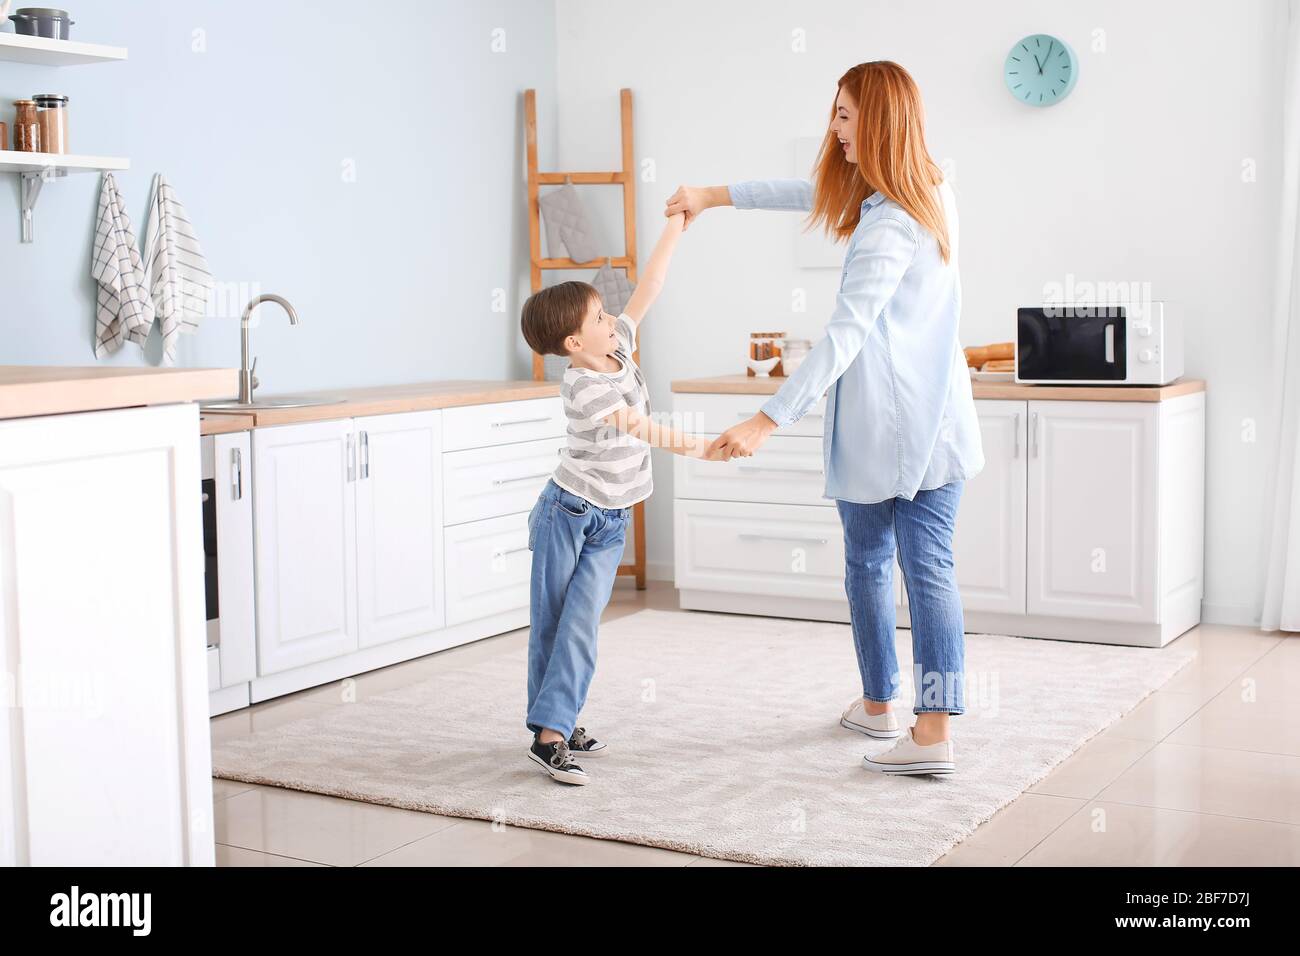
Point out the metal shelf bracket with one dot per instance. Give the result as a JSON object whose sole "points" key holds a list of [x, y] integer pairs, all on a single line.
{"points": [[32, 183]]}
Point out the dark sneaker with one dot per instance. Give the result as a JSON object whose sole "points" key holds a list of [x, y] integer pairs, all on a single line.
{"points": [[583, 743], [557, 760]]}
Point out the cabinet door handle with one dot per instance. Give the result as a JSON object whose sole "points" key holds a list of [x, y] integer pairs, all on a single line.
{"points": [[1015, 436], [807, 539], [509, 481], [352, 460], [365, 454], [236, 473], [521, 421], [1033, 434], [502, 553]]}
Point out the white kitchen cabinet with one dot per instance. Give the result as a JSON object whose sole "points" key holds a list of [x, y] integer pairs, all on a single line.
{"points": [[1092, 510], [497, 480], [775, 555], [498, 423], [305, 543], [399, 526], [376, 544], [988, 546], [227, 461], [107, 760], [488, 567], [1086, 523], [785, 470]]}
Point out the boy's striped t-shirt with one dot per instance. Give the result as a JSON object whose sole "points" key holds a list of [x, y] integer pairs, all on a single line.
{"points": [[609, 468]]}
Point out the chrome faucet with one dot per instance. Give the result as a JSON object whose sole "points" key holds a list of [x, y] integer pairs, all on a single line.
{"points": [[247, 380]]}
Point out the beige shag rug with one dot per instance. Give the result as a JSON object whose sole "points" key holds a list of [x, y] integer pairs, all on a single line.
{"points": [[723, 741]]}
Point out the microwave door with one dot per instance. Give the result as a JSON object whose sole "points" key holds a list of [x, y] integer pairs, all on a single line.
{"points": [[1056, 345]]}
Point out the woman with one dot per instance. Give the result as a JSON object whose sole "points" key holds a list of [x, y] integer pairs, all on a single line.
{"points": [[901, 433]]}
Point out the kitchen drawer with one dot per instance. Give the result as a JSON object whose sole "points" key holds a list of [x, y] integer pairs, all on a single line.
{"points": [[500, 480], [478, 426], [488, 566], [784, 470], [714, 414], [774, 550]]}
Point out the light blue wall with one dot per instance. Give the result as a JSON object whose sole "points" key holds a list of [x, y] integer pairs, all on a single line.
{"points": [[393, 274]]}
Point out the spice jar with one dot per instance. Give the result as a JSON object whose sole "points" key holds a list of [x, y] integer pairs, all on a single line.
{"points": [[27, 129], [52, 114], [766, 345]]}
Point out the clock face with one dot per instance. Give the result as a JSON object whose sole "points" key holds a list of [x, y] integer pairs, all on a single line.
{"points": [[1040, 70]]}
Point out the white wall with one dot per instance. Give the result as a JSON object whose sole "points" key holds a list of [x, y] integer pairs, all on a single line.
{"points": [[1135, 178]]}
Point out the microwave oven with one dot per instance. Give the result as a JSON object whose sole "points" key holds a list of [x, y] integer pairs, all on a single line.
{"points": [[1081, 344]]}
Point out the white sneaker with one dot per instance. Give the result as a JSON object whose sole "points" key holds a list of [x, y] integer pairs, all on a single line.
{"points": [[873, 725], [909, 757]]}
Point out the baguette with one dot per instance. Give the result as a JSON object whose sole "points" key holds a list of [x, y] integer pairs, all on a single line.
{"points": [[977, 355]]}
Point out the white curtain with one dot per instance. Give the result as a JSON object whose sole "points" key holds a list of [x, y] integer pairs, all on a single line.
{"points": [[1281, 603]]}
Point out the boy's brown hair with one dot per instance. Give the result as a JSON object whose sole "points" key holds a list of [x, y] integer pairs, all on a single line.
{"points": [[553, 314]]}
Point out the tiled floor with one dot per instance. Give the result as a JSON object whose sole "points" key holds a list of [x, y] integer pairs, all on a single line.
{"points": [[1206, 771]]}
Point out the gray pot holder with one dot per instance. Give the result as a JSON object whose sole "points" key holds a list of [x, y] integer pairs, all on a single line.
{"points": [[567, 225], [614, 288]]}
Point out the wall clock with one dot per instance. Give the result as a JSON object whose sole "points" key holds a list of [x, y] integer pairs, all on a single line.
{"points": [[1041, 70]]}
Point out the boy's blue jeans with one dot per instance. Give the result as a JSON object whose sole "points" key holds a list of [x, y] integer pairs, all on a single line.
{"points": [[576, 552], [921, 532]]}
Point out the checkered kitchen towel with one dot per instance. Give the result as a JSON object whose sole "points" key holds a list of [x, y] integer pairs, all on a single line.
{"points": [[179, 280], [123, 308]]}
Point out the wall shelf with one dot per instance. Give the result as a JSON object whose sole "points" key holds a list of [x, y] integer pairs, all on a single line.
{"points": [[45, 52], [37, 169], [12, 161]]}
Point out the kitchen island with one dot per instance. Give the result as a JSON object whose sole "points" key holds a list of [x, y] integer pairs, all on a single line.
{"points": [[105, 759]]}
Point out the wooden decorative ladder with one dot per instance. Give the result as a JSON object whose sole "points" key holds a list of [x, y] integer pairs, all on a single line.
{"points": [[626, 177]]}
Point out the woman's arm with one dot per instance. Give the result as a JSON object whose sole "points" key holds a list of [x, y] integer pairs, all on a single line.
{"points": [[874, 268], [656, 435], [794, 195], [780, 194], [651, 282]]}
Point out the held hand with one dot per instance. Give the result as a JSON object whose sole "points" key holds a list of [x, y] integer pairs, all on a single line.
{"points": [[744, 439], [690, 200]]}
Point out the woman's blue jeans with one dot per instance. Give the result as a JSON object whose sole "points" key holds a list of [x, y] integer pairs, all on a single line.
{"points": [[920, 531]]}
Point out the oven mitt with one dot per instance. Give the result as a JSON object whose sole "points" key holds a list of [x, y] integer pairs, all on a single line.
{"points": [[614, 288], [567, 224]]}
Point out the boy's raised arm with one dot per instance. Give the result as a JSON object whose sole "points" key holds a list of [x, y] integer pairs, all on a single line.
{"points": [[656, 270]]}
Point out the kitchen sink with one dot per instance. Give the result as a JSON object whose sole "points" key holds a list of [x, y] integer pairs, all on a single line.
{"points": [[278, 401]]}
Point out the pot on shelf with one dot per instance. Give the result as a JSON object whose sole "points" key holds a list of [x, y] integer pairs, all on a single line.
{"points": [[45, 22]]}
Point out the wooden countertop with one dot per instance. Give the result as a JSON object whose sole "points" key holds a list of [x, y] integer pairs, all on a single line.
{"points": [[27, 390], [214, 423], [389, 399], [753, 385]]}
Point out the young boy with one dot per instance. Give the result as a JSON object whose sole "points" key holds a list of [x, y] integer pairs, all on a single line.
{"points": [[577, 528]]}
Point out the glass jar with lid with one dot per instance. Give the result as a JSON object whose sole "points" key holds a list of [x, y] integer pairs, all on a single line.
{"points": [[52, 113]]}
